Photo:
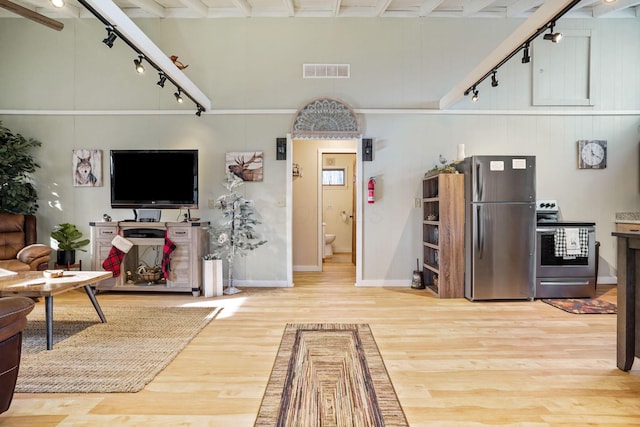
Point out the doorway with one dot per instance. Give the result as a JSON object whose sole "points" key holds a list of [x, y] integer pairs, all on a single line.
{"points": [[313, 203], [336, 205], [322, 124]]}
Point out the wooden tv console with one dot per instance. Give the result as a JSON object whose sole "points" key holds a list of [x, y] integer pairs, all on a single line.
{"points": [[191, 240]]}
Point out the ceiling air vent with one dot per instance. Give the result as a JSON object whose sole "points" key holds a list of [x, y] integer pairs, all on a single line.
{"points": [[326, 71]]}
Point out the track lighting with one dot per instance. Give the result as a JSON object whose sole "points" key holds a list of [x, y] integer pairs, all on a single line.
{"points": [[138, 63], [526, 58], [178, 96], [554, 37], [163, 79], [119, 26], [494, 81], [200, 110], [111, 37]]}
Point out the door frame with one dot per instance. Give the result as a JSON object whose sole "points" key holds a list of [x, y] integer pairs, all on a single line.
{"points": [[321, 152], [289, 211]]}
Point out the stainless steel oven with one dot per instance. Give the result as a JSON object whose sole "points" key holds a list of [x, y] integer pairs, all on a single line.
{"points": [[562, 276]]}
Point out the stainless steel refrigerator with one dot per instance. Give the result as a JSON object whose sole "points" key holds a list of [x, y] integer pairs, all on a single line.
{"points": [[500, 227]]}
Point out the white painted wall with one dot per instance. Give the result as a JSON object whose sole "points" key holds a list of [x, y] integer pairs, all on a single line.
{"points": [[69, 90]]}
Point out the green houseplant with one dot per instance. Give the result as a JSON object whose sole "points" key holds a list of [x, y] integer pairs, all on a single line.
{"points": [[17, 192], [69, 239]]}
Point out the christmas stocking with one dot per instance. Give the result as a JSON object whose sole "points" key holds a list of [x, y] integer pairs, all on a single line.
{"points": [[116, 255], [113, 261], [168, 248]]}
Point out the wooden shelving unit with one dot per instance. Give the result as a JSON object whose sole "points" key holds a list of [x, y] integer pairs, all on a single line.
{"points": [[443, 234]]}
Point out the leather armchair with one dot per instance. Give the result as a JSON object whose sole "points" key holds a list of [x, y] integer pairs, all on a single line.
{"points": [[13, 319], [18, 248]]}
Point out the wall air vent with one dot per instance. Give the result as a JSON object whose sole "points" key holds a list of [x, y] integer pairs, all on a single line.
{"points": [[326, 71]]}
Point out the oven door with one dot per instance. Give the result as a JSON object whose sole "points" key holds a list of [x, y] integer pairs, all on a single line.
{"points": [[563, 277]]}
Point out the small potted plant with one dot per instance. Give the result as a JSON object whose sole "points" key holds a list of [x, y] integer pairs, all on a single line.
{"points": [[68, 238]]}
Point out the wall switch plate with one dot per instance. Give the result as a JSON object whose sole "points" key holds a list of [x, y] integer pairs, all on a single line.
{"points": [[417, 203], [212, 204], [282, 202]]}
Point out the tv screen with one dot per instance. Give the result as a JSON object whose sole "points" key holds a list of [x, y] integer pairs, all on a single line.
{"points": [[154, 179]]}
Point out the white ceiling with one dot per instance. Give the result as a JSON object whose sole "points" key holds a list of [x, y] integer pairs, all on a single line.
{"points": [[336, 8], [536, 14]]}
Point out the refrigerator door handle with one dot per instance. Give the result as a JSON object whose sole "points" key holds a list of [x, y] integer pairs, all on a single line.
{"points": [[479, 184], [479, 232]]}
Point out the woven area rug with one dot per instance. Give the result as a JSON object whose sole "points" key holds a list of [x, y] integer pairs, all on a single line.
{"points": [[583, 305], [329, 375], [122, 355]]}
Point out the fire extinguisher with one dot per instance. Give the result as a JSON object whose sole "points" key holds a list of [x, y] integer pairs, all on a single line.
{"points": [[372, 189]]}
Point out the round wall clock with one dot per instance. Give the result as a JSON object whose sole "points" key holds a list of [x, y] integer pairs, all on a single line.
{"points": [[592, 154]]}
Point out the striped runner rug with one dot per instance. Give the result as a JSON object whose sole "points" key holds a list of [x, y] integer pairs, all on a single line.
{"points": [[329, 375]]}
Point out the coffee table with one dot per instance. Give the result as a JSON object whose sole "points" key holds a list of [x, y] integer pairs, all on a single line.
{"points": [[34, 284]]}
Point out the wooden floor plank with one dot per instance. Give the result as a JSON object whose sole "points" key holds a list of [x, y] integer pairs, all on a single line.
{"points": [[452, 362]]}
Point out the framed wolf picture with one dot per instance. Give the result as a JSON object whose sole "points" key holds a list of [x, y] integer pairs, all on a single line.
{"points": [[245, 165], [87, 168]]}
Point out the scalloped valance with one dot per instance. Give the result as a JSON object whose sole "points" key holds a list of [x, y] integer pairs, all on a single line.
{"points": [[325, 118]]}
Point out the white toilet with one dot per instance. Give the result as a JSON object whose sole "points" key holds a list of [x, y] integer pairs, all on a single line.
{"points": [[328, 241]]}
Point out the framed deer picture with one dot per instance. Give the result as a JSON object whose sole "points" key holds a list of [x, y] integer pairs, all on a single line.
{"points": [[245, 165]]}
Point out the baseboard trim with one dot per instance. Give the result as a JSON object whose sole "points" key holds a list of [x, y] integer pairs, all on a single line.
{"points": [[307, 268]]}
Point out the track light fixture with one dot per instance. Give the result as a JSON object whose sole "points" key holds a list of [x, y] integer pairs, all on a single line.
{"points": [[526, 58], [120, 26], [138, 63], [178, 96], [494, 81], [163, 79], [111, 37], [200, 110], [554, 37]]}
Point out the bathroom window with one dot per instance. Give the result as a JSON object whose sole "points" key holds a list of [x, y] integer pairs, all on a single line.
{"points": [[333, 177]]}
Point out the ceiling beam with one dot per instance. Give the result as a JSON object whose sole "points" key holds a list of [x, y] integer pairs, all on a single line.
{"points": [[537, 20], [381, 7], [288, 4], [32, 15], [428, 6], [522, 6], [471, 7], [150, 7], [607, 8], [197, 7], [243, 5], [110, 14]]}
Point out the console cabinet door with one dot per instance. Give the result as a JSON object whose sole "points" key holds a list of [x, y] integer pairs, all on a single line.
{"points": [[181, 274]]}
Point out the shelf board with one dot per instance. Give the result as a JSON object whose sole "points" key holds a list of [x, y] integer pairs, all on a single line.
{"points": [[433, 268]]}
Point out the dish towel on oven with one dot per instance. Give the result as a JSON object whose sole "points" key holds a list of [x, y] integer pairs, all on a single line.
{"points": [[571, 242]]}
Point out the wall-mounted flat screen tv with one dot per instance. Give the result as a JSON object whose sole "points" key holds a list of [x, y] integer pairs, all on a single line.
{"points": [[154, 179]]}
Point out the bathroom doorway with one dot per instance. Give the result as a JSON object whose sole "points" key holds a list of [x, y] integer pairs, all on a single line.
{"points": [[336, 205], [323, 124], [324, 179]]}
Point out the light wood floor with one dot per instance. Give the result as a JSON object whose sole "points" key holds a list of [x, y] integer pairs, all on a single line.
{"points": [[452, 362]]}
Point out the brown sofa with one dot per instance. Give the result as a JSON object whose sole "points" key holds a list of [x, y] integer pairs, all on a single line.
{"points": [[13, 319], [18, 248]]}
